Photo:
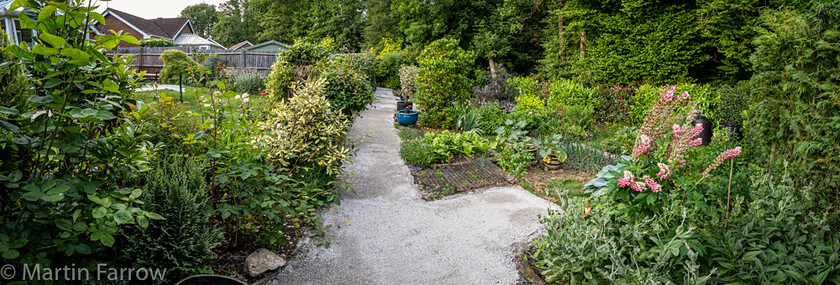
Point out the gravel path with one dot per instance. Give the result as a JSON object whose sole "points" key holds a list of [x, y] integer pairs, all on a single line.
{"points": [[395, 237]]}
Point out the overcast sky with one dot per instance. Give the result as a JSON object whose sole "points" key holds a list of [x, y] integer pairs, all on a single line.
{"points": [[151, 9]]}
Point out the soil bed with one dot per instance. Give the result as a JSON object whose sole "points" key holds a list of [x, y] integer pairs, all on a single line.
{"points": [[460, 176]]}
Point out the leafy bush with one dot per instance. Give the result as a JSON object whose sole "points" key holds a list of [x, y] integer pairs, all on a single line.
{"points": [[68, 180], [249, 82], [306, 131], [388, 68], [280, 79], [732, 102], [515, 159], [615, 104], [567, 92], [442, 81], [348, 90], [305, 52], [14, 93], [492, 117], [156, 42], [794, 112], [182, 242], [584, 244], [176, 65], [408, 74], [777, 233], [581, 116], [532, 93]]}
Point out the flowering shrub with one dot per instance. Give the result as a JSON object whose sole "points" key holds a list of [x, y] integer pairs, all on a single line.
{"points": [[657, 161], [615, 103], [442, 81]]}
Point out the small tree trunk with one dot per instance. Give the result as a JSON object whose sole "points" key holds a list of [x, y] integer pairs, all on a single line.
{"points": [[492, 68], [582, 43], [181, 86]]}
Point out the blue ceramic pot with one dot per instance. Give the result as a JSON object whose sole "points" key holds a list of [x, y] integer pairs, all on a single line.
{"points": [[407, 118]]}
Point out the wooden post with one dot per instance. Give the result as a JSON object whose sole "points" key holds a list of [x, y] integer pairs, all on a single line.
{"points": [[582, 43], [244, 59], [181, 85], [140, 59]]}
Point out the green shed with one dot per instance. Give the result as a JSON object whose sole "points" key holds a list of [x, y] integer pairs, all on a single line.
{"points": [[273, 46]]}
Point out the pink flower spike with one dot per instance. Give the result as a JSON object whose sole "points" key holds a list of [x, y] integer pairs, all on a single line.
{"points": [[664, 171], [723, 156], [652, 185]]}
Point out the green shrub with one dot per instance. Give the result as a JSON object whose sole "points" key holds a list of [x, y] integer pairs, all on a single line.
{"points": [[581, 116], [155, 42], [388, 68], [794, 110], [347, 89], [532, 93], [442, 81], [305, 52], [584, 244], [68, 180], [777, 233], [732, 102], [15, 90], [306, 131], [492, 117], [176, 64], [280, 79], [181, 243], [568, 92], [515, 159]]}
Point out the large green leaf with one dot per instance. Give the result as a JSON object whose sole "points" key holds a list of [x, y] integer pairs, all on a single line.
{"points": [[54, 41]]}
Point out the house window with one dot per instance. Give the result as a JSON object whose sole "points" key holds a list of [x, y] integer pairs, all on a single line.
{"points": [[23, 35]]}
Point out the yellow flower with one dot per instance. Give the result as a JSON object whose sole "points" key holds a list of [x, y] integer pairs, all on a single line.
{"points": [[320, 163], [225, 195], [547, 160], [249, 216]]}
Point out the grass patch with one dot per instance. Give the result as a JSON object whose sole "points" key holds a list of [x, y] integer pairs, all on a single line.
{"points": [[410, 134], [190, 98], [571, 186]]}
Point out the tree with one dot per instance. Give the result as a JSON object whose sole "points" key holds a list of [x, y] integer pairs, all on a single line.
{"points": [[380, 23], [238, 22], [338, 19], [202, 16]]}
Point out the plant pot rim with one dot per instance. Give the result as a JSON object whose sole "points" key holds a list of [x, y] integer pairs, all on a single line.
{"points": [[404, 112]]}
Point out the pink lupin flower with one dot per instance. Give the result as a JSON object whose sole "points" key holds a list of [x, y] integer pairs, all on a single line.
{"points": [[723, 156], [651, 184], [626, 180], [643, 145], [639, 186], [664, 171]]}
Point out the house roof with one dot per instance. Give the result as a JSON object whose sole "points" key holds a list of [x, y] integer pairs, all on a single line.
{"points": [[241, 45], [195, 40], [160, 27], [269, 43], [4, 7]]}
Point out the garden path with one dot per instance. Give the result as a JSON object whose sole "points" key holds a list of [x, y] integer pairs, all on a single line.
{"points": [[385, 233]]}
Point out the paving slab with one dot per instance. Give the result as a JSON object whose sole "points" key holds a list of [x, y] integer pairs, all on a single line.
{"points": [[395, 237]]}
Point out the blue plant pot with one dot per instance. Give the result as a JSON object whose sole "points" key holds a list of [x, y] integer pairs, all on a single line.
{"points": [[407, 118]]}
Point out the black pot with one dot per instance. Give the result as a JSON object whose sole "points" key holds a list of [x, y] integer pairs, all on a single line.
{"points": [[708, 129], [735, 130], [402, 104]]}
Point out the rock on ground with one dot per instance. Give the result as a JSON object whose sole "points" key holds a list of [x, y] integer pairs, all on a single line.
{"points": [[386, 234], [262, 261]]}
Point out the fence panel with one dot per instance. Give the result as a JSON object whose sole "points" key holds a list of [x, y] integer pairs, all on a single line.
{"points": [[148, 58]]}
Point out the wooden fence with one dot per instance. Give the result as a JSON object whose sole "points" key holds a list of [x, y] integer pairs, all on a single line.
{"points": [[148, 58]]}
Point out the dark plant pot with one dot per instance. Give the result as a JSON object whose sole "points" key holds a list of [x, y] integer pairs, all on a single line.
{"points": [[402, 104], [553, 163], [207, 279], [407, 118], [735, 130], [708, 129]]}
